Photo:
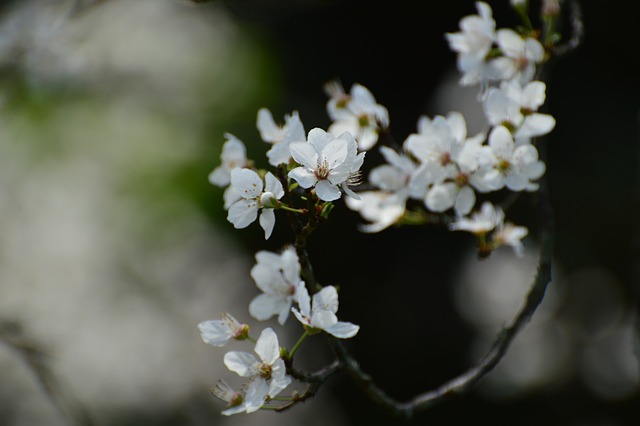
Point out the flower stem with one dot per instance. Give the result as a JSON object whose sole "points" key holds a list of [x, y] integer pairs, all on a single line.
{"points": [[291, 209], [297, 345]]}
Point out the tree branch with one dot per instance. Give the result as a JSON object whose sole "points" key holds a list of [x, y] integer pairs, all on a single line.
{"points": [[35, 359]]}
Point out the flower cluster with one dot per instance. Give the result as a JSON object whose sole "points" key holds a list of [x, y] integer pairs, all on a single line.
{"points": [[442, 167], [277, 275], [440, 171]]}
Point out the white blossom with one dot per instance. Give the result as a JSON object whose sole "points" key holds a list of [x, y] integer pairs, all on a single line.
{"points": [[268, 367], [517, 165], [357, 113], [450, 163], [328, 163], [473, 44], [488, 219], [523, 53], [511, 235], [320, 312], [218, 332], [381, 208], [516, 106], [278, 276], [234, 154], [280, 136], [481, 222], [251, 193], [237, 403], [395, 175]]}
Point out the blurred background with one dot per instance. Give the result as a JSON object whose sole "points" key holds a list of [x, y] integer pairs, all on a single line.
{"points": [[114, 246]]}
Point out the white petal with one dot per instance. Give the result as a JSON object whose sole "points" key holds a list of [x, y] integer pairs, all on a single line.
{"points": [[267, 346], [246, 182], [279, 378], [441, 197], [367, 138], [510, 42], [326, 191], [256, 395], [326, 300], [264, 306], [273, 185], [323, 319], [240, 362], [279, 153], [536, 125], [335, 153], [534, 95], [290, 265], [535, 170], [267, 222], [304, 301], [516, 181], [219, 177], [318, 138], [304, 154], [343, 330], [465, 201], [349, 192], [458, 125], [267, 276], [269, 130], [230, 196], [501, 142], [533, 49], [242, 213], [294, 131], [215, 332], [300, 317], [303, 176]]}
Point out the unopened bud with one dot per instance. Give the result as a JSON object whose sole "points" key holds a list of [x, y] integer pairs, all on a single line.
{"points": [[242, 333], [269, 201], [551, 8]]}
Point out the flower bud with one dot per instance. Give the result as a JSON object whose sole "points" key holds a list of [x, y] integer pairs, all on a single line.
{"points": [[269, 201], [550, 8]]}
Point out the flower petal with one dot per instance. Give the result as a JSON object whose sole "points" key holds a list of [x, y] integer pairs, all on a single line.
{"points": [[343, 330], [304, 154], [267, 346], [304, 177], [247, 182], [264, 306], [214, 332], [242, 213], [267, 222], [256, 395], [273, 185], [326, 191], [240, 362]]}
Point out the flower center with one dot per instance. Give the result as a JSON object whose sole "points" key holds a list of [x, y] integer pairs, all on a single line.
{"points": [[504, 166], [462, 180], [445, 158], [322, 172], [343, 101], [264, 371], [363, 120], [521, 63]]}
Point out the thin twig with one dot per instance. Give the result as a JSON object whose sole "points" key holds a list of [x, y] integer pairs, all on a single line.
{"points": [[36, 361], [466, 380], [313, 380], [577, 30]]}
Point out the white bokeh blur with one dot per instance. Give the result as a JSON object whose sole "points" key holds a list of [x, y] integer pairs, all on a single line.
{"points": [[105, 266]]}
